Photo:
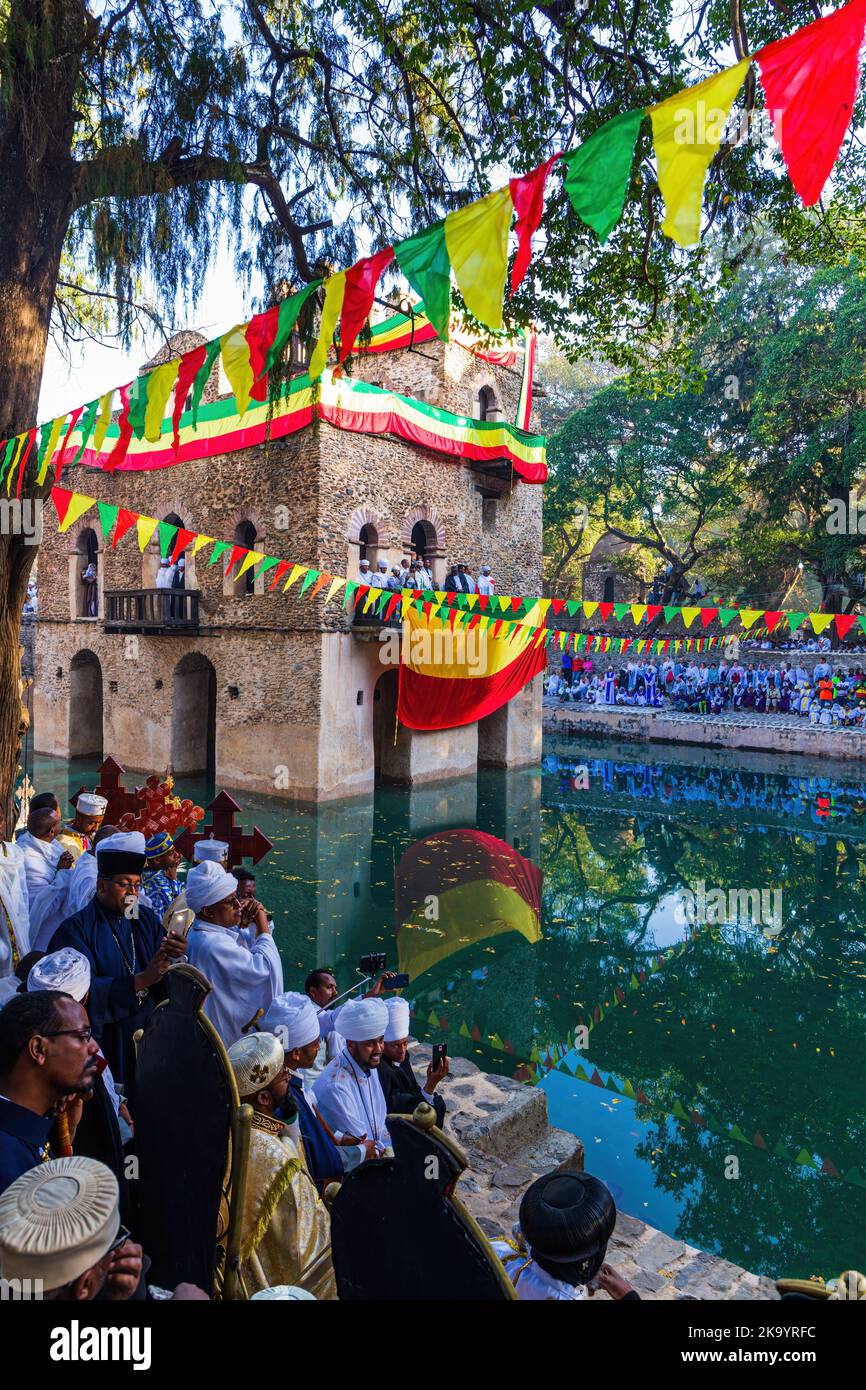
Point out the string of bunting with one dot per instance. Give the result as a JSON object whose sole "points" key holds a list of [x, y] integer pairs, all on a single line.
{"points": [[496, 612], [810, 81]]}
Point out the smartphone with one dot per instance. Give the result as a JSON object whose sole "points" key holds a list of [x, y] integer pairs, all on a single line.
{"points": [[440, 1050], [397, 982]]}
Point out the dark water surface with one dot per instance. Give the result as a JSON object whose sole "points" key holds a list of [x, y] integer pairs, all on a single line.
{"points": [[720, 1091]]}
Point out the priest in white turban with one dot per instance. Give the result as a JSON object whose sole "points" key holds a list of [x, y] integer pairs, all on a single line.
{"points": [[286, 1231], [46, 864], [244, 967], [399, 1084], [348, 1093], [14, 913]]}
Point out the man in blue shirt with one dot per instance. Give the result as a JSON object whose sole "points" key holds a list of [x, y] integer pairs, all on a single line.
{"points": [[47, 1060], [159, 879]]}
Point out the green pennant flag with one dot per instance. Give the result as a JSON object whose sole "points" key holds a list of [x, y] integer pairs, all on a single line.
{"points": [[634, 983], [620, 610], [671, 612], [678, 1110], [725, 615], [628, 1090], [599, 171], [425, 262], [220, 548], [287, 318], [351, 590], [7, 457], [167, 535], [611, 1085], [309, 578], [781, 1151], [212, 350], [796, 620], [855, 1176], [138, 404], [805, 1159], [107, 518], [571, 607], [267, 564], [88, 420], [736, 1133]]}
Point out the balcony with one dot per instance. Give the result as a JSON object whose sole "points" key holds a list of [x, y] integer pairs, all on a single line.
{"points": [[165, 612]]}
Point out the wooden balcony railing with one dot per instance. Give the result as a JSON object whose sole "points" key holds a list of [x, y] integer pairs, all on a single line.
{"points": [[164, 611]]}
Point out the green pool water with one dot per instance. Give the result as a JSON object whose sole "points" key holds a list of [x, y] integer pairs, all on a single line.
{"points": [[714, 1071]]}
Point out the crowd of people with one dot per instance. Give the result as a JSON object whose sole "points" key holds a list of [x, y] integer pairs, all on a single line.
{"points": [[94, 918], [827, 697], [416, 574]]}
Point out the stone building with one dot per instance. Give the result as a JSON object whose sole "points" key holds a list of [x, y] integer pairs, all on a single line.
{"points": [[280, 693]]}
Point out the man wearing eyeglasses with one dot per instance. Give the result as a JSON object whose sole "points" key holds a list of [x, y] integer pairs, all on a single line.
{"points": [[47, 1060]]}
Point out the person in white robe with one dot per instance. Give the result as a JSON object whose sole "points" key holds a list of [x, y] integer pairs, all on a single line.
{"points": [[245, 970], [14, 913], [348, 1094], [47, 868]]}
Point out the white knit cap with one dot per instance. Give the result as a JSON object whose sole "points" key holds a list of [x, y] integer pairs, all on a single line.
{"points": [[286, 1293], [257, 1059], [361, 1020], [294, 1019], [58, 1220], [398, 1020], [66, 969], [204, 850], [91, 804], [207, 884]]}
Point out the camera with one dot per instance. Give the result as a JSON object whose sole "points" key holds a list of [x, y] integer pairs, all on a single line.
{"points": [[372, 964]]}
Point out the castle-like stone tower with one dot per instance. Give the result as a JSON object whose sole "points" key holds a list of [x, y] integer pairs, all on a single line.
{"points": [[272, 691]]}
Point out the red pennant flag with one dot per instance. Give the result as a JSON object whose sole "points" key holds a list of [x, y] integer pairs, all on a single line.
{"points": [[604, 611], [527, 195], [758, 1140], [771, 617], [61, 458], [23, 464], [642, 1099], [595, 1079], [810, 84], [483, 600], [708, 614], [652, 612], [515, 604], [361, 281], [844, 622], [452, 618], [125, 522], [279, 572], [61, 497], [392, 604], [363, 590], [183, 539], [260, 333], [829, 1167], [475, 1033], [118, 453], [237, 553], [323, 579], [190, 365], [557, 604]]}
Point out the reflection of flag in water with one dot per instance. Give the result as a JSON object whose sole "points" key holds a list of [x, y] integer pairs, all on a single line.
{"points": [[437, 692], [479, 886]]}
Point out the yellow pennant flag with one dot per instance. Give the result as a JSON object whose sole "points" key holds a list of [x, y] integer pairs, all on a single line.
{"points": [[687, 132], [335, 289], [336, 584], [638, 613], [201, 541], [820, 620], [22, 440], [236, 363], [159, 388], [53, 439], [688, 615], [749, 615], [373, 597], [543, 605], [78, 505], [296, 573], [145, 526], [471, 600], [103, 420], [477, 242], [253, 557], [589, 609]]}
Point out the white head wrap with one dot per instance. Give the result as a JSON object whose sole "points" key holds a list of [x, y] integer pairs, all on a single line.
{"points": [[215, 850], [123, 842], [257, 1059], [66, 969], [362, 1019], [286, 1293], [58, 1220], [91, 804], [398, 1020], [294, 1018], [207, 884]]}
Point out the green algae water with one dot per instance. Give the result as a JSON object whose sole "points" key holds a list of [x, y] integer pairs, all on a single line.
{"points": [[562, 924]]}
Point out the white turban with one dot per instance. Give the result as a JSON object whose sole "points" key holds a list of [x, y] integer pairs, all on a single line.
{"points": [[362, 1019], [207, 884], [210, 850], [58, 1220], [294, 1018], [257, 1060], [91, 804], [66, 969], [123, 842], [398, 1020]]}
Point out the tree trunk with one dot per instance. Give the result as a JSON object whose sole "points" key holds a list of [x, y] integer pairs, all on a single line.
{"points": [[37, 173]]}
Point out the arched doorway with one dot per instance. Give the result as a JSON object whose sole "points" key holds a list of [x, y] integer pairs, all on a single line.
{"points": [[85, 706], [193, 717], [85, 577], [390, 759], [609, 585], [424, 544]]}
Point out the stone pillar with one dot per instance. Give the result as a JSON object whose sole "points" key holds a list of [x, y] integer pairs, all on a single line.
{"points": [[511, 736]]}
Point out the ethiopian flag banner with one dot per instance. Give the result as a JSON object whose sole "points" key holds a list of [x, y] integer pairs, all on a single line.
{"points": [[482, 888], [452, 675]]}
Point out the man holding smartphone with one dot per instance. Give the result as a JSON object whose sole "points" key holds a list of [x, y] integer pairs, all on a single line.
{"points": [[401, 1090]]}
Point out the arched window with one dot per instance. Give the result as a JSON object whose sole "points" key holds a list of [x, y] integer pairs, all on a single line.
{"points": [[245, 535], [488, 405], [85, 578], [608, 589], [368, 543]]}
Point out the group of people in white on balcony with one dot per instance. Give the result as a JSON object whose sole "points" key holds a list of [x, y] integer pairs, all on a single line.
{"points": [[416, 574]]}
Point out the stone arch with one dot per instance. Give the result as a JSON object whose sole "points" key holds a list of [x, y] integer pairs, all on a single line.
{"points": [[85, 547], [425, 520], [151, 556], [487, 404], [248, 531], [85, 705], [193, 716], [367, 538]]}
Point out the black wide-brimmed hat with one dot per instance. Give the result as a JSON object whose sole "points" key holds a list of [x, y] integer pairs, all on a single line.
{"points": [[567, 1218]]}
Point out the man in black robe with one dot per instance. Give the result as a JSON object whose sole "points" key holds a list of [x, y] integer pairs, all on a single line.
{"points": [[128, 953], [402, 1092]]}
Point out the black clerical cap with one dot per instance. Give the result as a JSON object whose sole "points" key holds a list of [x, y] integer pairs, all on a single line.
{"points": [[567, 1217]]}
